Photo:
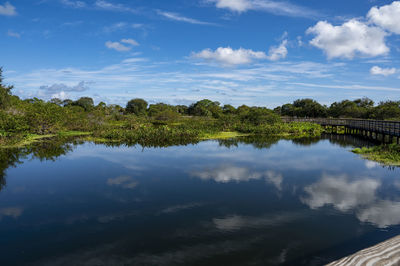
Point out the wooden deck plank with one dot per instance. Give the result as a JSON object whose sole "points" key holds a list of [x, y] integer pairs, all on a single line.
{"points": [[385, 253]]}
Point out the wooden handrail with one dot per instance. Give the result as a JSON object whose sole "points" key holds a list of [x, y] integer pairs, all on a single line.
{"points": [[391, 128]]}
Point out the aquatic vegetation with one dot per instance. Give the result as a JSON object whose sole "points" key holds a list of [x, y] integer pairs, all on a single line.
{"points": [[388, 154]]}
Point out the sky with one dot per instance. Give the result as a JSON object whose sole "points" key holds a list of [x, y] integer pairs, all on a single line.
{"points": [[254, 52]]}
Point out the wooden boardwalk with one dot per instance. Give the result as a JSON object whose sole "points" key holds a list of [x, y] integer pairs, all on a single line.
{"points": [[376, 129], [385, 253]]}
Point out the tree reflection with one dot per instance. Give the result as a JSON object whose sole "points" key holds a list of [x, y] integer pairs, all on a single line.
{"points": [[258, 142], [45, 150]]}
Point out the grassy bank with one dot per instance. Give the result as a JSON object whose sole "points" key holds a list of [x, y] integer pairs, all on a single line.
{"points": [[22, 140], [149, 132], [385, 154]]}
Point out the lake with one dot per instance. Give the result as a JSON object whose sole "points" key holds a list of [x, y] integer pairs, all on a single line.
{"points": [[249, 201]]}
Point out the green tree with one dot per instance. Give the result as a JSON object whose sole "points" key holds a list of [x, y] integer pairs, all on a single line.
{"points": [[228, 109], [387, 110], [136, 106], [84, 102], [182, 109], [67, 102], [5, 92], [288, 110], [259, 115], [205, 108], [309, 108], [44, 118], [347, 108], [57, 101]]}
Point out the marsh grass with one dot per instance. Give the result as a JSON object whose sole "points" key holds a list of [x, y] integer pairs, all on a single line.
{"points": [[388, 154]]}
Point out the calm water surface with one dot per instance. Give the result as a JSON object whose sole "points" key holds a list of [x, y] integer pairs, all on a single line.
{"points": [[214, 203]]}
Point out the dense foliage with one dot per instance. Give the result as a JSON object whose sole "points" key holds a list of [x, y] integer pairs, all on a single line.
{"points": [[360, 108], [385, 154]]}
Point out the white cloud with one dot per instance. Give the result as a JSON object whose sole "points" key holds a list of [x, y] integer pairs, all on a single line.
{"points": [[278, 52], [230, 57], [74, 4], [62, 95], [120, 47], [178, 17], [60, 87], [347, 87], [274, 7], [14, 34], [234, 5], [101, 4], [341, 193], [8, 9], [375, 70], [387, 17], [122, 26], [130, 41], [117, 46], [349, 39]]}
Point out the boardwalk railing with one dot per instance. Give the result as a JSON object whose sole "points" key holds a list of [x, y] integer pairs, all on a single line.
{"points": [[362, 126]]}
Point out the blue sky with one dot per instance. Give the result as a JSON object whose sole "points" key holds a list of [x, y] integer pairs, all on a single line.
{"points": [[255, 52]]}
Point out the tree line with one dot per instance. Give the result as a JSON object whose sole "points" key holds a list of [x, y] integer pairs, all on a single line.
{"points": [[42, 117], [360, 108]]}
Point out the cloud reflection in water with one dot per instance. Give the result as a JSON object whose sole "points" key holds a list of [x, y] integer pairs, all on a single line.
{"points": [[359, 196], [122, 181]]}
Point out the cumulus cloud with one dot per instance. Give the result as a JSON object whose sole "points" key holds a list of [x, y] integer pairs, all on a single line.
{"points": [[341, 193], [62, 95], [125, 45], [376, 70], [278, 52], [387, 17], [234, 5], [348, 40], [230, 57], [8, 9], [275, 7], [122, 181], [59, 87]]}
